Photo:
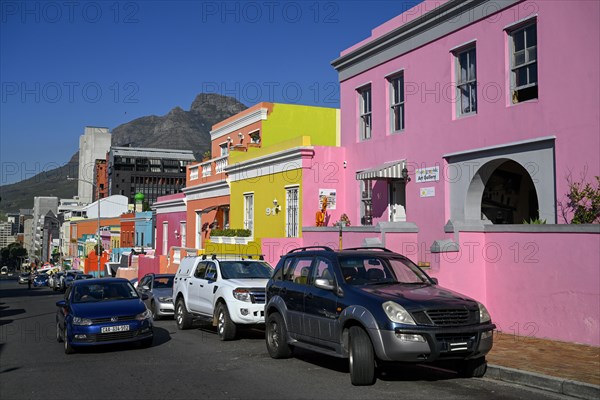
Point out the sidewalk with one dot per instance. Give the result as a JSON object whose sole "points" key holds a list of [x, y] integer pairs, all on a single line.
{"points": [[568, 368]]}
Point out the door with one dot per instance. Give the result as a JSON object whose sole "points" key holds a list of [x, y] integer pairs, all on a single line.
{"points": [[207, 286], [320, 315], [293, 288], [194, 283], [397, 201]]}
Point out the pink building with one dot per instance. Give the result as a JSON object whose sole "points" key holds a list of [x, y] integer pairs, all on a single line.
{"points": [[459, 124]]}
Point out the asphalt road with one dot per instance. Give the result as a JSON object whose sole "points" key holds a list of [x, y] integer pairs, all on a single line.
{"points": [[194, 364]]}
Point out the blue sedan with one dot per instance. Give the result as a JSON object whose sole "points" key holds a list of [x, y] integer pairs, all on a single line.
{"points": [[102, 311]]}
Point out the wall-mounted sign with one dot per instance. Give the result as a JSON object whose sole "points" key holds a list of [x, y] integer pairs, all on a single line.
{"points": [[431, 174], [331, 197], [427, 192]]}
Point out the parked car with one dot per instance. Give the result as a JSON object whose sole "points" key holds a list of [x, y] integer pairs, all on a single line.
{"points": [[227, 290], [102, 311], [40, 280], [368, 304], [68, 278], [134, 282], [24, 278], [158, 289], [54, 283]]}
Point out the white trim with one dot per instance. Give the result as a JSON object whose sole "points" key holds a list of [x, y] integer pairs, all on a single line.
{"points": [[291, 186], [500, 146], [172, 209], [463, 46], [245, 193], [239, 123], [362, 85], [524, 21], [212, 189], [270, 164], [393, 74]]}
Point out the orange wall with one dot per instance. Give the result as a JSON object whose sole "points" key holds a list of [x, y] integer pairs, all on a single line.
{"points": [[209, 217]]}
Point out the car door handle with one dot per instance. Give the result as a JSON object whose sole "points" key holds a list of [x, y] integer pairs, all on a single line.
{"points": [[201, 285], [191, 283]]}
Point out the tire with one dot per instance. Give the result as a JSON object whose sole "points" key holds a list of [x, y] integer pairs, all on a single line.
{"points": [[182, 317], [155, 315], [59, 338], [276, 337], [472, 368], [226, 328], [68, 348], [361, 357]]}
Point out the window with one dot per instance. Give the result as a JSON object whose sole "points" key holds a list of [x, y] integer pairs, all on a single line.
{"points": [[182, 233], [200, 270], [523, 63], [397, 102], [366, 215], [323, 270], [298, 270], [292, 215], [165, 238], [365, 112], [249, 211], [224, 148], [198, 229], [466, 81], [193, 173], [255, 137]]}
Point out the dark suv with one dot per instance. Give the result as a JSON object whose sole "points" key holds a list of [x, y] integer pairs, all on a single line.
{"points": [[368, 305]]}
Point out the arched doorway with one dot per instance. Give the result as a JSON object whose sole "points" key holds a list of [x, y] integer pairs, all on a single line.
{"points": [[509, 195]]}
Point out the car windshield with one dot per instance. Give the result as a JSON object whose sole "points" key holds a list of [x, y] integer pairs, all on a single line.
{"points": [[246, 270], [163, 282], [369, 270], [105, 291]]}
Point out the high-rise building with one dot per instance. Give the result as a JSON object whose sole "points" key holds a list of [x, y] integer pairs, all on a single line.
{"points": [[93, 146]]}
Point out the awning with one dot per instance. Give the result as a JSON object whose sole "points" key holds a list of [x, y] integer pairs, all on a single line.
{"points": [[389, 170], [211, 208]]}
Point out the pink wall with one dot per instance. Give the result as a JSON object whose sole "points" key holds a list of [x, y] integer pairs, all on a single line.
{"points": [[533, 284], [148, 265], [570, 112]]}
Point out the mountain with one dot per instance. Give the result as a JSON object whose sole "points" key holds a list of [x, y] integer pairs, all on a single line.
{"points": [[178, 129]]}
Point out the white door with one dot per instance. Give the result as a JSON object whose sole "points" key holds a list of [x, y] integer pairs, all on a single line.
{"points": [[397, 201]]}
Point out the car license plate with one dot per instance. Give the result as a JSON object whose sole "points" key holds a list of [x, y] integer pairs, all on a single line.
{"points": [[111, 329]]}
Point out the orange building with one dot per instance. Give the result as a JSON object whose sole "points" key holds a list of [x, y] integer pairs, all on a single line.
{"points": [[127, 222]]}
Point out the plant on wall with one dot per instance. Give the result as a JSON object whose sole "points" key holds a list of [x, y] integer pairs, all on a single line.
{"points": [[583, 201], [231, 232]]}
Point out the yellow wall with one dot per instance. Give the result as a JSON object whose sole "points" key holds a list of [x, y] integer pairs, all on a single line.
{"points": [[265, 188], [287, 121]]}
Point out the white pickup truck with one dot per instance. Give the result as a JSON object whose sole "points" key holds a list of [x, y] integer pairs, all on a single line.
{"points": [[227, 290]]}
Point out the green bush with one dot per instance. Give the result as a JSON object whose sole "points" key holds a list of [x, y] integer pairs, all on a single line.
{"points": [[231, 232]]}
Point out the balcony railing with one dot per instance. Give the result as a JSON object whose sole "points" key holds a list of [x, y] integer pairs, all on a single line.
{"points": [[220, 164], [206, 169]]}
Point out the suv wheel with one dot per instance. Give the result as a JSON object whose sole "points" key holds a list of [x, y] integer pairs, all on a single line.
{"points": [[472, 368], [183, 318], [361, 357], [276, 337], [225, 326]]}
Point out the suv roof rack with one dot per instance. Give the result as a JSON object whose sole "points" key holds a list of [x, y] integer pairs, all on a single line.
{"points": [[310, 248], [229, 256], [370, 248]]}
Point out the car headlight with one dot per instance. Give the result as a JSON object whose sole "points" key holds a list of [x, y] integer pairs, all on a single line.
{"points": [[145, 315], [397, 313], [484, 315], [166, 299], [81, 321], [242, 294]]}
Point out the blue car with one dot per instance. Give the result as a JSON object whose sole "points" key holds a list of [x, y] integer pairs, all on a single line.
{"points": [[102, 311], [40, 280]]}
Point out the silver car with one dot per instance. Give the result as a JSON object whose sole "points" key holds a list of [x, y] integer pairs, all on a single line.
{"points": [[159, 289]]}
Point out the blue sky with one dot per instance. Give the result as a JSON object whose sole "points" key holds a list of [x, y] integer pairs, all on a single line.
{"points": [[65, 65]]}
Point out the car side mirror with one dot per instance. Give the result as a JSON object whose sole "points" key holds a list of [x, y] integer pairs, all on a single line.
{"points": [[61, 304], [434, 280], [145, 297], [324, 284]]}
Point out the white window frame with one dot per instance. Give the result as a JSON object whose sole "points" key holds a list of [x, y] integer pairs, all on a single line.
{"points": [[255, 136], [198, 228], [224, 148], [292, 211], [365, 112], [193, 173], [366, 202], [249, 211], [182, 232], [468, 82], [165, 238], [397, 102], [527, 63]]}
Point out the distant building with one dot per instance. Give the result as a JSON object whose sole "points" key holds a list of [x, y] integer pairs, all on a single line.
{"points": [[6, 236], [152, 172], [41, 206], [93, 145]]}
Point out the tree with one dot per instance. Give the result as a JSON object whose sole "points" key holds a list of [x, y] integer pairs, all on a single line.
{"points": [[12, 254]]}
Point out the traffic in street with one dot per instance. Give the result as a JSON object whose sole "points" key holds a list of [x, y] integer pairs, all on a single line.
{"points": [[194, 363]]}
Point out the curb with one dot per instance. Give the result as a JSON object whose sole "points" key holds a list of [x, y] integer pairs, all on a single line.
{"points": [[558, 385]]}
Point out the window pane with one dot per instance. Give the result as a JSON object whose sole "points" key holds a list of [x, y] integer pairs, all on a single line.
{"points": [[519, 58], [533, 73], [472, 65], [519, 40], [521, 76], [532, 54], [531, 35]]}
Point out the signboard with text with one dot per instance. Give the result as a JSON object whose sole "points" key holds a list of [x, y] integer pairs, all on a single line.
{"points": [[431, 174]]}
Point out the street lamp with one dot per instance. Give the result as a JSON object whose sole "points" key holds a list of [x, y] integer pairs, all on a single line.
{"points": [[98, 253]]}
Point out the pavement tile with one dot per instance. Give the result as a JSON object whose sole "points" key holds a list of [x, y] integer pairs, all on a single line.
{"points": [[571, 361]]}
